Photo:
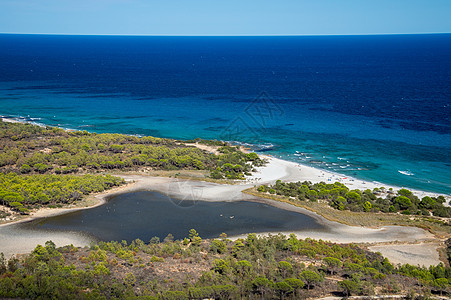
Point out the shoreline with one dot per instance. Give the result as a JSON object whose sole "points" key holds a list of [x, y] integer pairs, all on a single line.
{"points": [[164, 185], [45, 212], [300, 172], [316, 174], [275, 169], [182, 189]]}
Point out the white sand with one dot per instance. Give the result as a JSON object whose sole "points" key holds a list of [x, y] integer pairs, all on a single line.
{"points": [[291, 171], [10, 120]]}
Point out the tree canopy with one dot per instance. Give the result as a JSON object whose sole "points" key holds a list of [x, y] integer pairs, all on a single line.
{"points": [[271, 267], [340, 197], [28, 149], [22, 192]]}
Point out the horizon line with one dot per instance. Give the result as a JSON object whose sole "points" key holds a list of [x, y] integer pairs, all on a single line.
{"points": [[222, 35]]}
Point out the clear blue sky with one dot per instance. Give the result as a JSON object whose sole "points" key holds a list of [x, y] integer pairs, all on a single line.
{"points": [[227, 17]]}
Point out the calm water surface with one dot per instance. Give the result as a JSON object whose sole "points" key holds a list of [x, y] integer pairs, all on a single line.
{"points": [[144, 215], [374, 107]]}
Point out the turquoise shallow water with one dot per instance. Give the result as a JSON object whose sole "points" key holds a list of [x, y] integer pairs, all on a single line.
{"points": [[377, 108]]}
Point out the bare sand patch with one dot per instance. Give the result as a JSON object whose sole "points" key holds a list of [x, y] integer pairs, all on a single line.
{"points": [[208, 148], [423, 254]]}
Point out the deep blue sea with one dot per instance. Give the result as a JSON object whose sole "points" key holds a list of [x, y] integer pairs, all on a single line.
{"points": [[374, 107]]}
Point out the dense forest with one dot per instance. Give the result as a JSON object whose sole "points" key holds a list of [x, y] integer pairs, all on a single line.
{"points": [[340, 197], [24, 192], [31, 149], [274, 267]]}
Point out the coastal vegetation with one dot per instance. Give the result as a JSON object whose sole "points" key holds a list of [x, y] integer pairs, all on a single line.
{"points": [[47, 166], [31, 149], [272, 267], [340, 197], [24, 192]]}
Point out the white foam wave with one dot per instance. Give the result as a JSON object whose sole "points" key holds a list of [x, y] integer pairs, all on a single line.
{"points": [[408, 173]]}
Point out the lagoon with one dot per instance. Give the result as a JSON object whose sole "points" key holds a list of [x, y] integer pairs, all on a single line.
{"points": [[145, 214]]}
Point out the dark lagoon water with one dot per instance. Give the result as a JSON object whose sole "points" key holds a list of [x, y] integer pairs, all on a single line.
{"points": [[146, 214], [374, 107]]}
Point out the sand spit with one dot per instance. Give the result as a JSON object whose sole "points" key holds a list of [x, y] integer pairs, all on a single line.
{"points": [[291, 171]]}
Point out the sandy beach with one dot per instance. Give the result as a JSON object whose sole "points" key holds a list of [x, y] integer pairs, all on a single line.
{"points": [[16, 241], [291, 171]]}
